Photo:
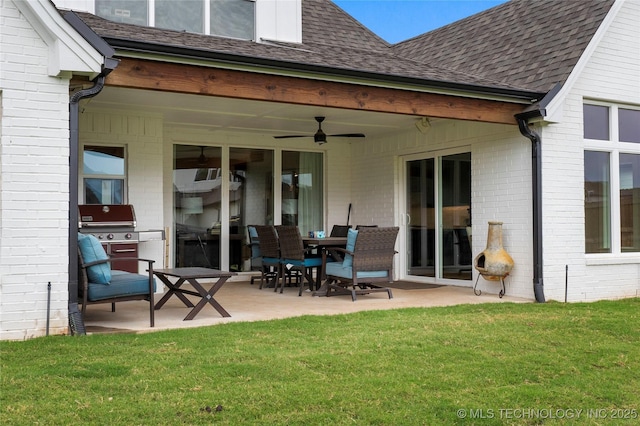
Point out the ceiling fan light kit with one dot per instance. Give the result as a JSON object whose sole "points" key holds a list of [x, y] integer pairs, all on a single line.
{"points": [[320, 137]]}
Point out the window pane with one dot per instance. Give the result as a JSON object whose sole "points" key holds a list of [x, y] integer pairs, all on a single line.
{"points": [[597, 200], [127, 11], [183, 15], [250, 200], [630, 202], [103, 160], [233, 18], [421, 203], [302, 190], [596, 122], [456, 216], [629, 125], [103, 191], [197, 203]]}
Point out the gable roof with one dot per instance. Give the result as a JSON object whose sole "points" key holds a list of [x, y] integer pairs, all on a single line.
{"points": [[529, 44], [520, 49]]}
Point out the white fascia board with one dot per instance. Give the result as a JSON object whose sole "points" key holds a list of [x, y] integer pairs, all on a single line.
{"points": [[554, 110], [68, 51]]}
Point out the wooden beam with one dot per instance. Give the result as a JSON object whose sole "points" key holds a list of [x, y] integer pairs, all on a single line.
{"points": [[178, 78]]}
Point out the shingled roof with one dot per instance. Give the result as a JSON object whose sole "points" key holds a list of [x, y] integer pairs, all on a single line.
{"points": [[529, 44], [514, 48]]}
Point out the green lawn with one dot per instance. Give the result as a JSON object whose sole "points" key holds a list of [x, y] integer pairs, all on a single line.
{"points": [[473, 364]]}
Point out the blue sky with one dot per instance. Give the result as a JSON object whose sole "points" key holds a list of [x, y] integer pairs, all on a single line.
{"points": [[398, 20]]}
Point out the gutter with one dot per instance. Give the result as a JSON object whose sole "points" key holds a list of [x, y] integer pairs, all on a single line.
{"points": [[76, 323], [147, 48], [535, 112]]}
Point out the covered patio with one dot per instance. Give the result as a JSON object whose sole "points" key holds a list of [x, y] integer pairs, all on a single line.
{"points": [[245, 302]]}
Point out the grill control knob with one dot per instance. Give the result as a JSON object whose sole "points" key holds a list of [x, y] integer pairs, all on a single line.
{"points": [[128, 236], [109, 236]]}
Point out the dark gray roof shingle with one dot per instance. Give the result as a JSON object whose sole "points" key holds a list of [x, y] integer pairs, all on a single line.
{"points": [[529, 44]]}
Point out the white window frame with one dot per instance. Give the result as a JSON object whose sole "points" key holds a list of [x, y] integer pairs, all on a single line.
{"points": [[151, 16], [614, 147]]}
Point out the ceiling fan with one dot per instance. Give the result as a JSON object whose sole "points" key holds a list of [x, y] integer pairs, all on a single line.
{"points": [[320, 137], [202, 159]]}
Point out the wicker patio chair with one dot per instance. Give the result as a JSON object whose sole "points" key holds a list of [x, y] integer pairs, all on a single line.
{"points": [[294, 257], [270, 254], [340, 230], [256, 255], [337, 231], [367, 265]]}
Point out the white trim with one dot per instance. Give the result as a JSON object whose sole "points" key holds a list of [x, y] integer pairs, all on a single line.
{"points": [[612, 259], [554, 110], [68, 51]]}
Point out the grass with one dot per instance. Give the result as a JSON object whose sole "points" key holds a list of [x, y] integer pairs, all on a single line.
{"points": [[497, 363]]}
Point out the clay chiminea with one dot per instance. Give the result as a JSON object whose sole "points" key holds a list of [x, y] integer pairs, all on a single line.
{"points": [[494, 263]]}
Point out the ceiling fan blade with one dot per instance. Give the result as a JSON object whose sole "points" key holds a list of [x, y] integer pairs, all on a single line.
{"points": [[293, 136], [348, 135], [320, 137]]}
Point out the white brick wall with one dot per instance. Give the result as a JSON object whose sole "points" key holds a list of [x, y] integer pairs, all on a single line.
{"points": [[563, 171], [34, 163]]}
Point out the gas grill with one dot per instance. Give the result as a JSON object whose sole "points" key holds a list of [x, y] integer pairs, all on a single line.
{"points": [[111, 223], [114, 225]]}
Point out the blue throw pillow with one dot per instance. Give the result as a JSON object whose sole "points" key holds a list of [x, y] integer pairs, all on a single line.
{"points": [[92, 250], [352, 234]]}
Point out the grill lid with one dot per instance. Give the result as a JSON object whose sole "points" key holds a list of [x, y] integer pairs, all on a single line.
{"points": [[106, 215]]}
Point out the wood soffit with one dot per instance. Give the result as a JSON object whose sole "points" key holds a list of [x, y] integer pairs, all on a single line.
{"points": [[190, 79]]}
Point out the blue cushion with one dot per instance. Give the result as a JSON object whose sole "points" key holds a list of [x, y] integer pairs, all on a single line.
{"points": [[253, 232], [352, 235], [339, 270], [308, 262], [92, 250], [270, 260], [122, 284]]}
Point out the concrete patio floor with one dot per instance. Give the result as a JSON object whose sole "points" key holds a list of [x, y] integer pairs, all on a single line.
{"points": [[245, 302]]}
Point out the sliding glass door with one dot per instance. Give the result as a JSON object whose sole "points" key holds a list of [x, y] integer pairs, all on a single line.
{"points": [[438, 212]]}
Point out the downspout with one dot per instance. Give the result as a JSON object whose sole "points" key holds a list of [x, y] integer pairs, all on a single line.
{"points": [[537, 110], [76, 324], [536, 163]]}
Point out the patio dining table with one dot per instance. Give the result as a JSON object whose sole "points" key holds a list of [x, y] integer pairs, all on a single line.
{"points": [[324, 245], [193, 275]]}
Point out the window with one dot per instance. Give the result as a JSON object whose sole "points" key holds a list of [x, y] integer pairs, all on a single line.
{"points": [[183, 15], [103, 174], [611, 178], [597, 202], [126, 11], [226, 18], [302, 190], [233, 18], [629, 124]]}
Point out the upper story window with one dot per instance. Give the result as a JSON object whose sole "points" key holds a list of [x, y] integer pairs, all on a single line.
{"points": [[226, 18]]}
